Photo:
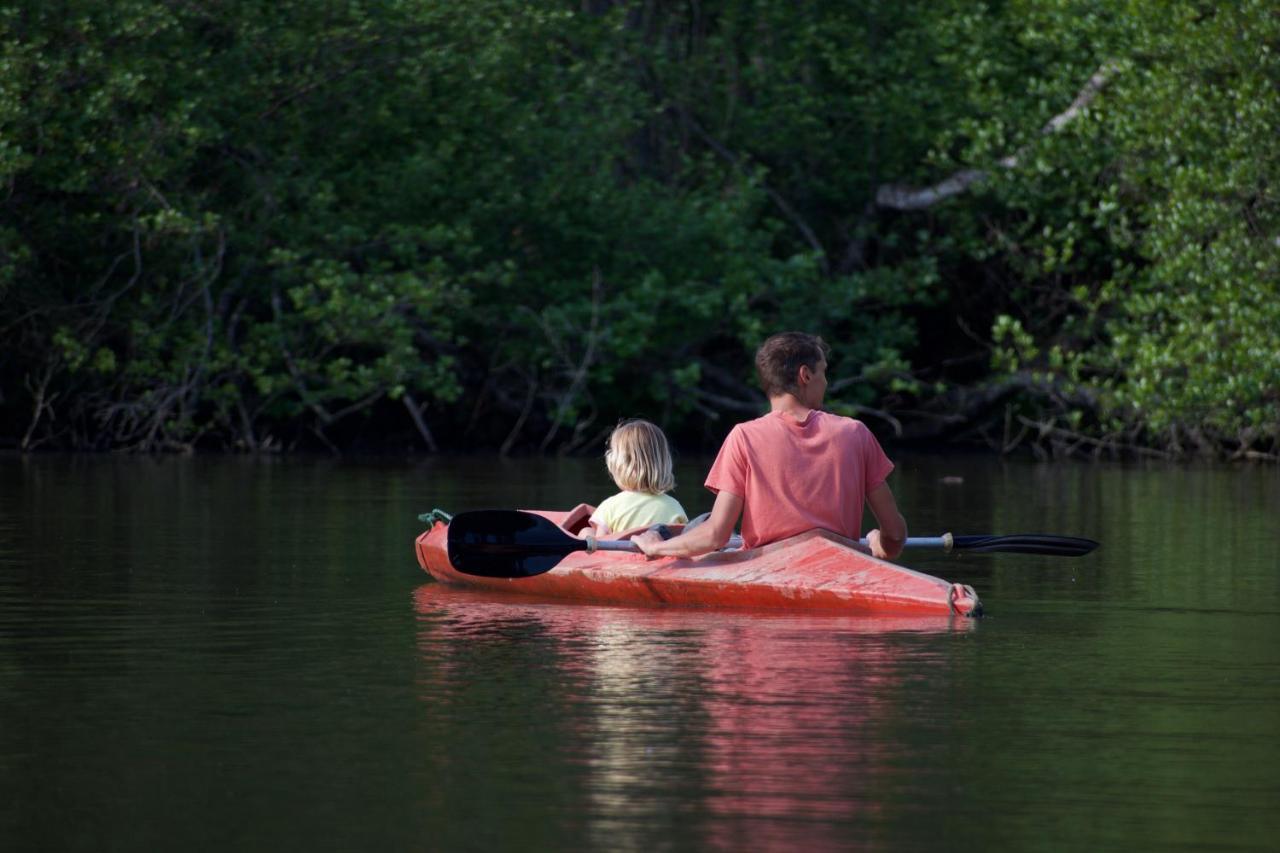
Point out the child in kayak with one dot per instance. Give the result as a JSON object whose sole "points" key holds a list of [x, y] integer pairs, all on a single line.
{"points": [[639, 462], [797, 468]]}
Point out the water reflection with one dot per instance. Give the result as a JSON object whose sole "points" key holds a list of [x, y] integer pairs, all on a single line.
{"points": [[765, 724]]}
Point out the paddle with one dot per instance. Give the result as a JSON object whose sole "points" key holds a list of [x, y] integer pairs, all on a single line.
{"points": [[501, 543], [1016, 543]]}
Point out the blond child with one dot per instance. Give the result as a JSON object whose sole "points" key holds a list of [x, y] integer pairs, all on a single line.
{"points": [[639, 461]]}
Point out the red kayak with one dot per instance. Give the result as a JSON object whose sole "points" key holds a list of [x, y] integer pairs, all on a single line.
{"points": [[814, 571]]}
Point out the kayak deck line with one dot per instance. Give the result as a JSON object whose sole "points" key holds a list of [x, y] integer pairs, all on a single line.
{"points": [[816, 570]]}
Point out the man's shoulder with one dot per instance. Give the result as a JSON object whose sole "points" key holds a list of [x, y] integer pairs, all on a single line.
{"points": [[770, 427], [755, 425], [842, 423]]}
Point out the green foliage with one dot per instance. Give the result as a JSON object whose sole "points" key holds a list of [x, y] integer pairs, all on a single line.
{"points": [[275, 224], [1131, 254], [1193, 335]]}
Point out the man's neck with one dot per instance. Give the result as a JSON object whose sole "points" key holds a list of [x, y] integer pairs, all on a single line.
{"points": [[787, 404]]}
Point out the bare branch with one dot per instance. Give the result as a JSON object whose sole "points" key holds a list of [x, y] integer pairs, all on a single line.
{"points": [[725, 403], [1047, 429], [510, 440], [861, 410], [1091, 88], [902, 197], [577, 372], [787, 210], [43, 402], [415, 412]]}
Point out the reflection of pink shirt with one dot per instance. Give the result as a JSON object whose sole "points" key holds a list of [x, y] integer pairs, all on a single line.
{"points": [[795, 476]]}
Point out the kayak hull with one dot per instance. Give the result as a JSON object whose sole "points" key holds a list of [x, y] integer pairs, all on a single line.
{"points": [[814, 571]]}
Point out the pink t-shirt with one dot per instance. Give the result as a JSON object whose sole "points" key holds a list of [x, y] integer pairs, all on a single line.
{"points": [[795, 476]]}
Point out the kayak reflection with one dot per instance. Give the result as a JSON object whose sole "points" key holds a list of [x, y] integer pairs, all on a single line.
{"points": [[740, 730]]}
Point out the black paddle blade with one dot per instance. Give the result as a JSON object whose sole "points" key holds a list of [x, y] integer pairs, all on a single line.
{"points": [[502, 543], [1026, 543]]}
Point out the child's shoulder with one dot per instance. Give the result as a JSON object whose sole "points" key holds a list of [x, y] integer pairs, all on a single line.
{"points": [[612, 500], [670, 500], [629, 499]]}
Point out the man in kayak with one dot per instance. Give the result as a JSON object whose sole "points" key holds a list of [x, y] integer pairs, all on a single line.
{"points": [[795, 469]]}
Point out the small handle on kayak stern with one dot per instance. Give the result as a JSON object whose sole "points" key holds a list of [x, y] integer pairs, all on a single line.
{"points": [[964, 601]]}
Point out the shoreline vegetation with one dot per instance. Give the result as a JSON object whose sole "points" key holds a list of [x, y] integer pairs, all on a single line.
{"points": [[1037, 226]]}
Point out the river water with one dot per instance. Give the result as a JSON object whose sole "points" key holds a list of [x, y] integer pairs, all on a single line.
{"points": [[233, 653]]}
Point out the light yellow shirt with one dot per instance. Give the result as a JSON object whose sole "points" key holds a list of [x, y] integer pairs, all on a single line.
{"points": [[629, 510]]}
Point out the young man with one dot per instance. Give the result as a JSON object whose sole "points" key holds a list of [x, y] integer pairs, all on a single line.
{"points": [[795, 469]]}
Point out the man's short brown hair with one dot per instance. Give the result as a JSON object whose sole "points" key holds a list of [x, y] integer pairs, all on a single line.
{"points": [[779, 358]]}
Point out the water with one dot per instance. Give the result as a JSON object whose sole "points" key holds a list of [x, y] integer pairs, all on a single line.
{"points": [[243, 654]]}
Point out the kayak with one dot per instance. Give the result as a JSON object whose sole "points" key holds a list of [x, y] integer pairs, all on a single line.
{"points": [[813, 571]]}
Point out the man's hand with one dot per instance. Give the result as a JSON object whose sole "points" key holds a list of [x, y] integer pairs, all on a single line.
{"points": [[886, 541], [873, 542], [647, 542], [702, 539]]}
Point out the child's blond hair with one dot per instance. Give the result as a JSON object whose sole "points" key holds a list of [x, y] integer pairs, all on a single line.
{"points": [[638, 458]]}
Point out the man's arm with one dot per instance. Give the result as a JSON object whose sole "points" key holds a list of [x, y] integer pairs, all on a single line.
{"points": [[887, 541], [712, 535]]}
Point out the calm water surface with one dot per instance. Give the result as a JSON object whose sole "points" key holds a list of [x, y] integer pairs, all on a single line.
{"points": [[243, 654]]}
